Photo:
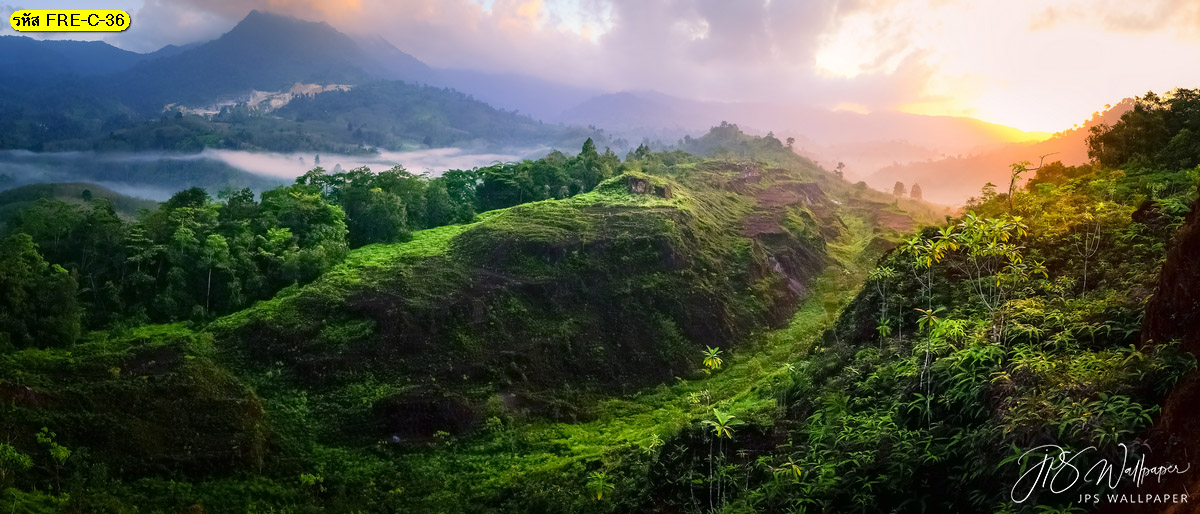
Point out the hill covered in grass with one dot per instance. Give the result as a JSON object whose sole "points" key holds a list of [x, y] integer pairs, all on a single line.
{"points": [[528, 316], [79, 193]]}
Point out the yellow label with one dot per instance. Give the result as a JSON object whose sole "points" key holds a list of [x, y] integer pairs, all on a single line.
{"points": [[74, 20]]}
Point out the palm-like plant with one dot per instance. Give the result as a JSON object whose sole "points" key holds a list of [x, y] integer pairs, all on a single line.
{"points": [[599, 484], [712, 358], [722, 427], [884, 328], [880, 277], [929, 318], [722, 424]]}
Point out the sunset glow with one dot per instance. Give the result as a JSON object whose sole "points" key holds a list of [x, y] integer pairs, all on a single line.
{"points": [[1022, 63]]}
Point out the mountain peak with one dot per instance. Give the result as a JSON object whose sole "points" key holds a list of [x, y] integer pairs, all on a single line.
{"points": [[257, 20]]}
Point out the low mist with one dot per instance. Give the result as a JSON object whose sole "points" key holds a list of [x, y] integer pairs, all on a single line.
{"points": [[158, 175]]}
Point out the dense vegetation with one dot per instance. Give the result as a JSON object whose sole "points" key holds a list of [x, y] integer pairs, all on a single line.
{"points": [[193, 258], [1160, 132], [547, 306], [667, 333], [13, 201], [1012, 326]]}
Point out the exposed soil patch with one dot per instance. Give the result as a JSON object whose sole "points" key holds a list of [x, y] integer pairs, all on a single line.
{"points": [[792, 193], [763, 222], [894, 221], [24, 396]]}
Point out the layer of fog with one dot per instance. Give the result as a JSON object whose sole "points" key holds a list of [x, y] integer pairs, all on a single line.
{"points": [[430, 162], [158, 175]]}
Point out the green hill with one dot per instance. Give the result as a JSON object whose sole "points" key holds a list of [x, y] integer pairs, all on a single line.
{"points": [[79, 193], [530, 316]]}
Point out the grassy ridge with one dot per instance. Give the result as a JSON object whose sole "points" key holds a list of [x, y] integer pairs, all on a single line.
{"points": [[488, 365], [520, 466]]}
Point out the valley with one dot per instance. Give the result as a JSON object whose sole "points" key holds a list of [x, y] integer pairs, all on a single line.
{"points": [[671, 258]]}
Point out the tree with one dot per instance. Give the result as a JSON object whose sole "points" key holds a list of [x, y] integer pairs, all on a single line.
{"points": [[1018, 169], [215, 255], [52, 225], [58, 453], [993, 261], [318, 228], [193, 197], [504, 185], [881, 277], [239, 206], [722, 426], [588, 168], [12, 462], [462, 187], [916, 192], [374, 216], [898, 189], [790, 141], [410, 189], [439, 207], [840, 171], [1158, 130], [37, 300]]}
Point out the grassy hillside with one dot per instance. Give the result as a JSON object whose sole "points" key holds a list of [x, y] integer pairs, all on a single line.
{"points": [[536, 333], [613, 289], [79, 193]]}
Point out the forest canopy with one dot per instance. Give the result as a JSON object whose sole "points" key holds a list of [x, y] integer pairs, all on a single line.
{"points": [[194, 256]]}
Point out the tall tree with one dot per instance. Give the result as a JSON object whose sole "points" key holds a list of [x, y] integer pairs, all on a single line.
{"points": [[37, 299]]}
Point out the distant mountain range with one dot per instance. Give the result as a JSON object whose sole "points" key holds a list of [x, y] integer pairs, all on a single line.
{"points": [[654, 110], [952, 179], [93, 88], [92, 96], [267, 52], [22, 56], [271, 52]]}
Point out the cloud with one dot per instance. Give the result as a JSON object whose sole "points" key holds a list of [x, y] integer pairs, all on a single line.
{"points": [[1181, 17], [164, 22], [706, 49], [7, 11], [1035, 64]]}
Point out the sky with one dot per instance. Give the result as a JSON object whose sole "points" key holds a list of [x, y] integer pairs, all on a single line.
{"points": [[1040, 65]]}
